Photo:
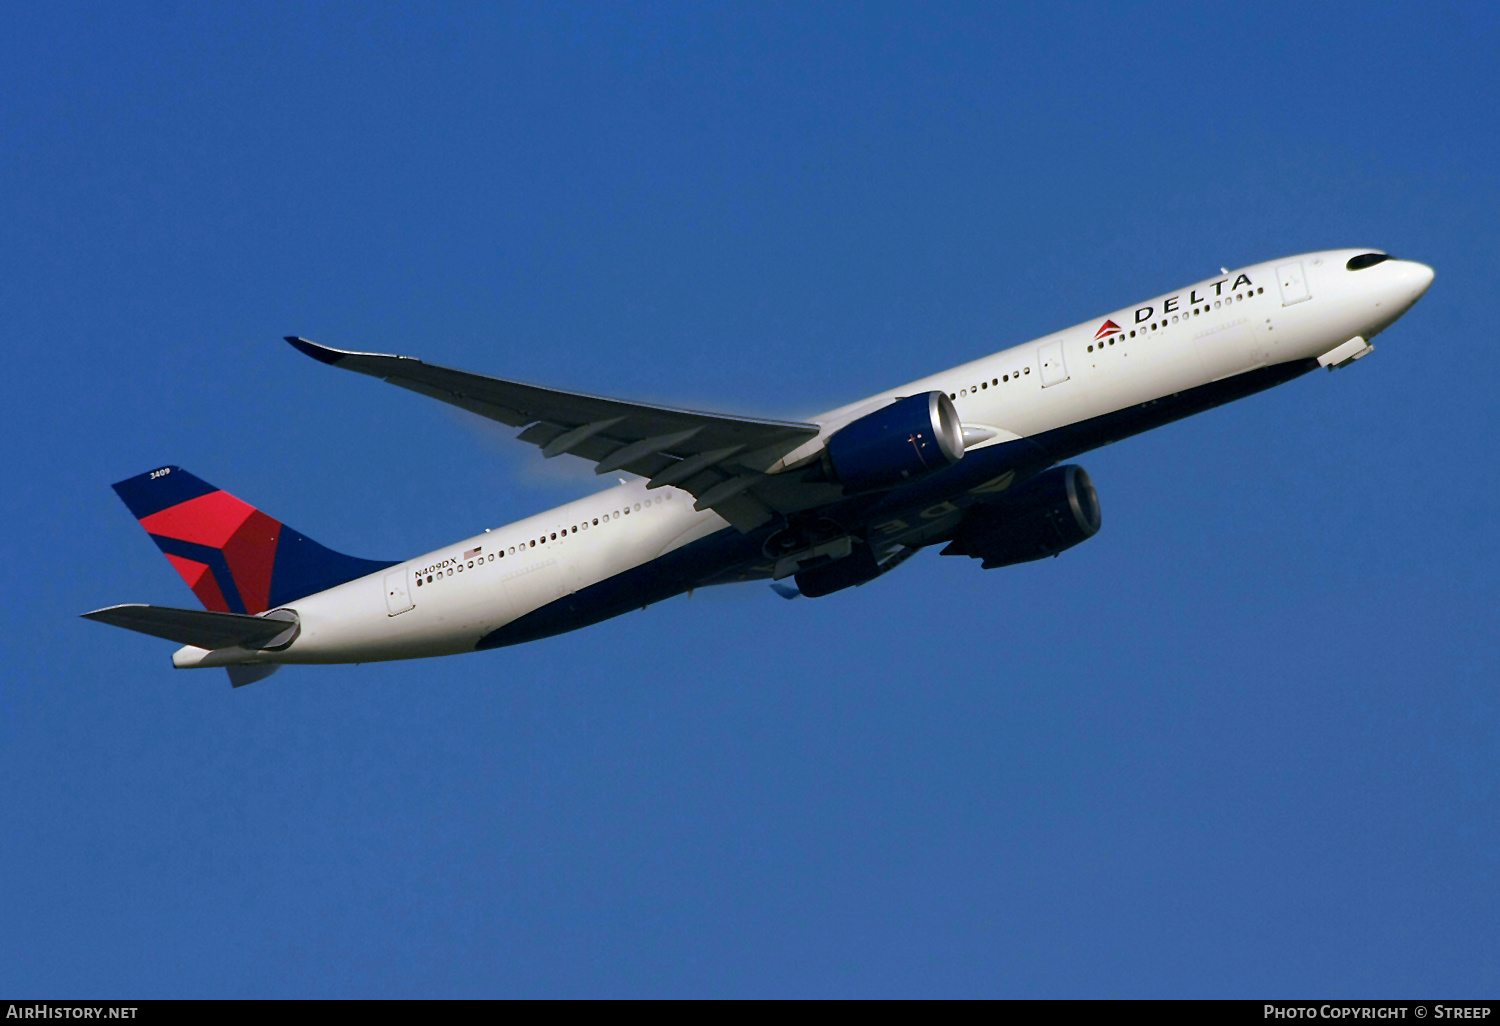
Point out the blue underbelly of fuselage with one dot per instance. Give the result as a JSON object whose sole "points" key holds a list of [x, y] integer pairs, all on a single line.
{"points": [[729, 556]]}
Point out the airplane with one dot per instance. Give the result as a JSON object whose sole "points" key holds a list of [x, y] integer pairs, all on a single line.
{"points": [[972, 458]]}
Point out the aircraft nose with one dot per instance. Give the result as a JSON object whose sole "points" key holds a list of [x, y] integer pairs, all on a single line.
{"points": [[1416, 278]]}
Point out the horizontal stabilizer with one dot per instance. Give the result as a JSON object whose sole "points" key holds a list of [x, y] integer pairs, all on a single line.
{"points": [[249, 673], [197, 627]]}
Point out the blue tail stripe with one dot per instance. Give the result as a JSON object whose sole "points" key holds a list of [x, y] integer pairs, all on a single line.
{"points": [[303, 567], [216, 565], [159, 489]]}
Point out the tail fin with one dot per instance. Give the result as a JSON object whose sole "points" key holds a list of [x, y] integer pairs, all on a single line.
{"points": [[234, 557]]}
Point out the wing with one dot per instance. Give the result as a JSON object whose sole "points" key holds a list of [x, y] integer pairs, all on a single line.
{"points": [[720, 460]]}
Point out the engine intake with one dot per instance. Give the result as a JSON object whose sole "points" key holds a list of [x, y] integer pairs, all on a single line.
{"points": [[909, 439], [1042, 517]]}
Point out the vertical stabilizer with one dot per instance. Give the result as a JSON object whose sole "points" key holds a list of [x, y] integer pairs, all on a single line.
{"points": [[234, 557]]}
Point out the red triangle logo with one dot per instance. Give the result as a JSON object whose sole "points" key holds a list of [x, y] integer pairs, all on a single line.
{"points": [[1107, 328]]}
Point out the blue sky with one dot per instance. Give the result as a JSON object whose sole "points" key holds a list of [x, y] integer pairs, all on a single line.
{"points": [[1244, 742]]}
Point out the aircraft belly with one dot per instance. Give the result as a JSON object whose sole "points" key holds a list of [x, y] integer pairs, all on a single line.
{"points": [[923, 508], [667, 550], [632, 587]]}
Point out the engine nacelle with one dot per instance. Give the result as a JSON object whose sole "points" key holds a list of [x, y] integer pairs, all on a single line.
{"points": [[1042, 517], [909, 439]]}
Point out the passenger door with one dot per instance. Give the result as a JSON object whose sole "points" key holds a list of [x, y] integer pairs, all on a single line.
{"points": [[1293, 281], [397, 591], [1054, 371]]}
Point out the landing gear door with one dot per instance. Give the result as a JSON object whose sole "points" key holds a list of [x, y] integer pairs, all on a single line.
{"points": [[1054, 371], [1293, 282], [397, 592]]}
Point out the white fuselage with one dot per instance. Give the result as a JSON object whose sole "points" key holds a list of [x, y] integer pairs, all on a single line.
{"points": [[1281, 312]]}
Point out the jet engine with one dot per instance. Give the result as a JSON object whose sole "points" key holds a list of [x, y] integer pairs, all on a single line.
{"points": [[909, 439], [1047, 514]]}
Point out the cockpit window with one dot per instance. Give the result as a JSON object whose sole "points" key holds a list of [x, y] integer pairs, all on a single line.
{"points": [[1364, 260]]}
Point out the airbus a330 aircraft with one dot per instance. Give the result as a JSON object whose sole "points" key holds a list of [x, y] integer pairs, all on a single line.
{"points": [[967, 458]]}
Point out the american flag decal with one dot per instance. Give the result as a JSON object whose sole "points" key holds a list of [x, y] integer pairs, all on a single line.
{"points": [[472, 553]]}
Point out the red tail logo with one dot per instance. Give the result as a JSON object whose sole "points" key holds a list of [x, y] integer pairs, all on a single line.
{"points": [[234, 557], [1107, 328]]}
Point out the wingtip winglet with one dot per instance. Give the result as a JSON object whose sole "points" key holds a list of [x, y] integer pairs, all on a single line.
{"points": [[320, 353]]}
